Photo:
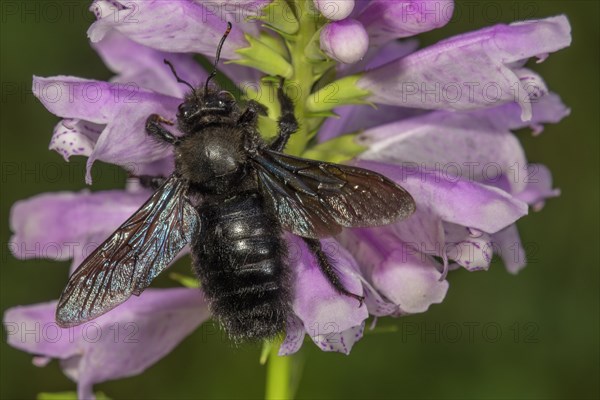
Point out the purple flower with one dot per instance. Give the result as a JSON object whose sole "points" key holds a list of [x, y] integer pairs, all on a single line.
{"points": [[177, 26], [442, 130], [472, 71], [113, 346], [378, 23], [387, 20]]}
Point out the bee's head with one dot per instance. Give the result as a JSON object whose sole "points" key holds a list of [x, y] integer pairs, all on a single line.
{"points": [[205, 108]]}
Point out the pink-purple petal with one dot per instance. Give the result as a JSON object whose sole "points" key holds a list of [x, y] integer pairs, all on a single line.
{"points": [[325, 313], [60, 225], [423, 231], [294, 337], [355, 118], [95, 101], [177, 26], [365, 246], [548, 109], [144, 66], [455, 199], [507, 243], [469, 248], [470, 71], [389, 52], [90, 100], [378, 56], [538, 180], [457, 144], [122, 343], [339, 342], [414, 286], [377, 305], [408, 278], [33, 329], [386, 20], [135, 147]]}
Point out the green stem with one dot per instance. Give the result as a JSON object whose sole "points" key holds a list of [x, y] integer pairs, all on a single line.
{"points": [[303, 75], [279, 372]]}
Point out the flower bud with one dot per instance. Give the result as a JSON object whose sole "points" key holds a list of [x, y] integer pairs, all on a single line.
{"points": [[345, 41], [334, 10]]}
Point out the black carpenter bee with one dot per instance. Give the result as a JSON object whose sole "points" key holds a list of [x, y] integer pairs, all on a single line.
{"points": [[231, 197]]}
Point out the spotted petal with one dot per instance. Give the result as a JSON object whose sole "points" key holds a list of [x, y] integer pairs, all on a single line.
{"points": [[122, 108]]}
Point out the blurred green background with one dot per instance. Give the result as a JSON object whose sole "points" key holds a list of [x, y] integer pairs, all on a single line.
{"points": [[552, 304]]}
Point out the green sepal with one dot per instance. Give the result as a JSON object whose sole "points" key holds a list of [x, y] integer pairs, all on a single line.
{"points": [[313, 125], [274, 43], [322, 70], [67, 396], [265, 56], [185, 280], [280, 17], [337, 93], [313, 51], [336, 150]]}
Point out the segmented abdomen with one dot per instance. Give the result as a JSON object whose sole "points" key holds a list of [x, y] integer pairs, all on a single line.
{"points": [[239, 257]]}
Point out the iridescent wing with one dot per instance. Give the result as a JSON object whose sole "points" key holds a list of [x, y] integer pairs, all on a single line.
{"points": [[128, 261], [315, 199]]}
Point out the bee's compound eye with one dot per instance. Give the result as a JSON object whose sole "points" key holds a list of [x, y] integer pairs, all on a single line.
{"points": [[186, 110]]}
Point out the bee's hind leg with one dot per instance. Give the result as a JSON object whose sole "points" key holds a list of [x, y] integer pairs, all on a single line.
{"points": [[329, 270], [288, 124]]}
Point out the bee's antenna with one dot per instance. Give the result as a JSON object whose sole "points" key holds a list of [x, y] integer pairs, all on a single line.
{"points": [[214, 72], [175, 73]]}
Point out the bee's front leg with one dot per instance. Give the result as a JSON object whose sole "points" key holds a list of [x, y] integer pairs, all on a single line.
{"points": [[250, 115], [154, 128], [287, 121]]}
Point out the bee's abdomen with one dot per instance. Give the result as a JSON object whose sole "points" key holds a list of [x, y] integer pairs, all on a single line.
{"points": [[239, 257]]}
